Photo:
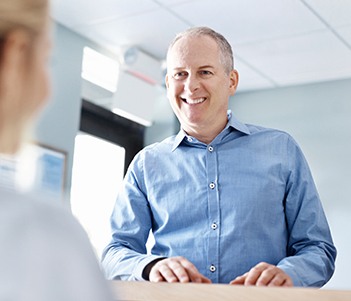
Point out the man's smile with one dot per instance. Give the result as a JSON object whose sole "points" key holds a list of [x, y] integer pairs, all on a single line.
{"points": [[193, 101]]}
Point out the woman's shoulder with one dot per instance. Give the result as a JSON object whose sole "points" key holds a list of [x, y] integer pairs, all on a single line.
{"points": [[36, 214]]}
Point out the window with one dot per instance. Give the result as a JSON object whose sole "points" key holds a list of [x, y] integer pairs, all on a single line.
{"points": [[104, 149], [97, 173], [100, 69]]}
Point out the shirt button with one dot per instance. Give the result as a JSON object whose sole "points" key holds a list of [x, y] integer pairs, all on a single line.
{"points": [[190, 139], [212, 268], [214, 226], [212, 185], [210, 148]]}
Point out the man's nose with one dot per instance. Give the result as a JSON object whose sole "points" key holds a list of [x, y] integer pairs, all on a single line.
{"points": [[192, 83]]}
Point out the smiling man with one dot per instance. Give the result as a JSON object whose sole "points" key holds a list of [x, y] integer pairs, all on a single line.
{"points": [[226, 202], [199, 86]]}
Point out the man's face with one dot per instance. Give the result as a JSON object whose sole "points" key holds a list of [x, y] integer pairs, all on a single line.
{"points": [[198, 87]]}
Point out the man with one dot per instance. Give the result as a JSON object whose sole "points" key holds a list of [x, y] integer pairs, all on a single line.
{"points": [[226, 202]]}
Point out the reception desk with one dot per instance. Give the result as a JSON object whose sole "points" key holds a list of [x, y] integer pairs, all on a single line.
{"points": [[146, 291]]}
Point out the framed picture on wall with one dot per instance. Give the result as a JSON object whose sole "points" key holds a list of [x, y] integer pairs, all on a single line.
{"points": [[38, 169]]}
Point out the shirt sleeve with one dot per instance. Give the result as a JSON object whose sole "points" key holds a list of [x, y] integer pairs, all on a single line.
{"points": [[125, 257], [310, 252]]}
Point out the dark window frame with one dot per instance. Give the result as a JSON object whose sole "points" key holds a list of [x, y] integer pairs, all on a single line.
{"points": [[102, 123]]}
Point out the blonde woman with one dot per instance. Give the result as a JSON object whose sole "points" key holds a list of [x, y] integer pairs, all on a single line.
{"points": [[44, 253]]}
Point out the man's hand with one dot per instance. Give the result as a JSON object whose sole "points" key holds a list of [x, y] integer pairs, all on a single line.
{"points": [[176, 269], [264, 274]]}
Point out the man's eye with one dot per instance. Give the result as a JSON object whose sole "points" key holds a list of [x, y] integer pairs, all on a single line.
{"points": [[205, 72], [179, 75]]}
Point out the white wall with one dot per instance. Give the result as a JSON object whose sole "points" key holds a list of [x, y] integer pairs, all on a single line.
{"points": [[59, 122], [164, 120], [318, 116]]}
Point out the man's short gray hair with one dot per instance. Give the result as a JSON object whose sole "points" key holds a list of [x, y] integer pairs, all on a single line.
{"points": [[226, 55]]}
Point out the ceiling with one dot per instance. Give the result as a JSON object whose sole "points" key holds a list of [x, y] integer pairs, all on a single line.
{"points": [[276, 43]]}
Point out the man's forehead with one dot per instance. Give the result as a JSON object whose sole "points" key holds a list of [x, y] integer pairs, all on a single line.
{"points": [[201, 50], [189, 42]]}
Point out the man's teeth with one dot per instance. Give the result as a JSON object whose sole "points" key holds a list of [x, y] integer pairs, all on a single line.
{"points": [[195, 101]]}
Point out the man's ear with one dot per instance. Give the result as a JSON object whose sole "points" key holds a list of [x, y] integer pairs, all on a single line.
{"points": [[166, 81], [234, 80]]}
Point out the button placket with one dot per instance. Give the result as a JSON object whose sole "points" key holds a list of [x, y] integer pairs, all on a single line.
{"points": [[214, 212]]}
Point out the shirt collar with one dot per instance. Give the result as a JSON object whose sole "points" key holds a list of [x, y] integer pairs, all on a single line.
{"points": [[236, 124], [232, 123]]}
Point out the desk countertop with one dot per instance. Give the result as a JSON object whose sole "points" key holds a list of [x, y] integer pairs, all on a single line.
{"points": [[147, 291]]}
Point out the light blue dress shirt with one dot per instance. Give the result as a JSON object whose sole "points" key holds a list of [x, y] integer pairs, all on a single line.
{"points": [[246, 197]]}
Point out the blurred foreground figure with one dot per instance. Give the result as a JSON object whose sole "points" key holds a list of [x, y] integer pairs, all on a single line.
{"points": [[44, 253]]}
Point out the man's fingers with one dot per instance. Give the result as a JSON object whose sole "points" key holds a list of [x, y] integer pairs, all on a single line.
{"points": [[167, 270], [288, 282], [193, 273], [179, 271], [205, 279], [273, 276], [155, 276], [176, 269], [254, 274], [264, 274], [240, 280], [281, 280]]}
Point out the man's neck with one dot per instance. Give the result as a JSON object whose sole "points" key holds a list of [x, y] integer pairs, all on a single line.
{"points": [[206, 135]]}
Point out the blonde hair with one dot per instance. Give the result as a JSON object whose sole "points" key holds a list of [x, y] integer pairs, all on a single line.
{"points": [[27, 14], [31, 16]]}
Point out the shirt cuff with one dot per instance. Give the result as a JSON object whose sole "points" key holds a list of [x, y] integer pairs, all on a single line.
{"points": [[138, 271], [292, 273]]}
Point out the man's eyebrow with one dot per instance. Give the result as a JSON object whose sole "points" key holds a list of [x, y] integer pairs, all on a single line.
{"points": [[178, 68], [206, 67], [200, 67]]}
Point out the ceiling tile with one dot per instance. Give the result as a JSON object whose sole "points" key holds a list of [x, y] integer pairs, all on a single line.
{"points": [[174, 2], [78, 12], [335, 13], [249, 79], [238, 21], [146, 31], [313, 57], [345, 33]]}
